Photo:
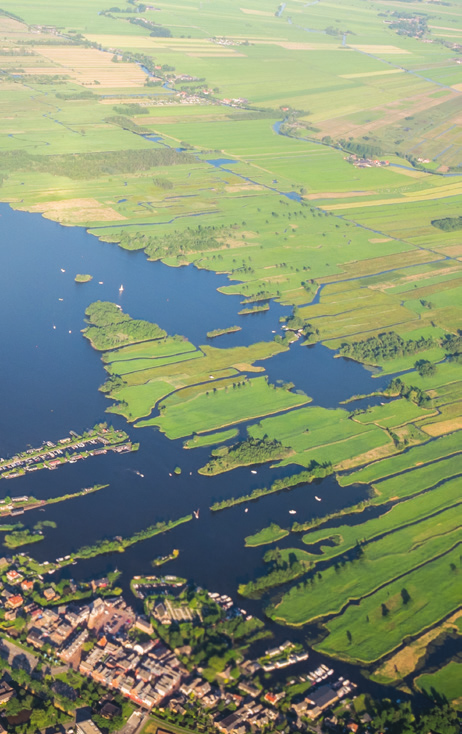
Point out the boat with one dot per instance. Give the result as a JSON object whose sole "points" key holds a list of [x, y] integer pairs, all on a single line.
{"points": [[100, 282], [317, 498], [196, 514], [62, 270], [138, 473], [246, 509], [121, 289], [252, 471], [54, 327], [292, 512], [70, 332]]}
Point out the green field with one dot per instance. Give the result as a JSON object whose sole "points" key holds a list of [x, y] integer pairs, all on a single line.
{"points": [[446, 682]]}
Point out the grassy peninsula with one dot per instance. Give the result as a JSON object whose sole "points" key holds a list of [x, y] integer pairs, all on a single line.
{"points": [[220, 332]]}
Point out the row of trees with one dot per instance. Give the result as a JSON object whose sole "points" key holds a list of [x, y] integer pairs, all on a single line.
{"points": [[314, 471]]}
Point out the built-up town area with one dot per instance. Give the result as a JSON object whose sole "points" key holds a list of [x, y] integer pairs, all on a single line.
{"points": [[131, 670]]}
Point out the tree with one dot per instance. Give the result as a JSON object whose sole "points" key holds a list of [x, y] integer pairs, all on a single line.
{"points": [[405, 596]]}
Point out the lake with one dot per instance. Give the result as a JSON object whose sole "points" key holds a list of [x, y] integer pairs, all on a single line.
{"points": [[50, 386]]}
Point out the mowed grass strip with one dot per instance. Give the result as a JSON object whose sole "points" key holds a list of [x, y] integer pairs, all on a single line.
{"points": [[393, 414], [417, 480], [138, 365], [220, 407], [380, 563], [367, 632], [407, 512], [416, 456], [321, 434], [211, 439], [150, 350]]}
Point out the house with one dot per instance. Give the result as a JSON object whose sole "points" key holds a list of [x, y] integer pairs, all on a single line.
{"points": [[35, 638], [109, 709], [49, 593], [27, 585], [6, 692], [14, 602], [229, 724], [13, 576], [87, 727]]}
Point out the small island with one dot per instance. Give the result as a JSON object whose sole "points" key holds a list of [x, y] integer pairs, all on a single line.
{"points": [[219, 332], [83, 278], [253, 309]]}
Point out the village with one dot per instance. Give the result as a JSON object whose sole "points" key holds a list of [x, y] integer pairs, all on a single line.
{"points": [[362, 162], [124, 654], [70, 449]]}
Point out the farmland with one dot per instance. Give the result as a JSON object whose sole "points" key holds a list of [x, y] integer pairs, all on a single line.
{"points": [[303, 155]]}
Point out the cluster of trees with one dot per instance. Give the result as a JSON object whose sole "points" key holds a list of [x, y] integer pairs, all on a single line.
{"points": [[173, 244], [131, 108], [127, 124], [365, 150], [452, 343], [408, 24], [22, 537], [385, 346], [281, 572], [163, 183], [86, 94], [109, 327], [410, 392], [250, 451], [156, 30], [95, 164], [448, 224], [425, 368], [314, 471]]}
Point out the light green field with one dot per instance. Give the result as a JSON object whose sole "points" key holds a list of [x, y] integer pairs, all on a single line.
{"points": [[320, 434], [268, 535], [210, 410], [211, 439], [418, 455], [446, 682], [384, 559], [374, 635], [346, 536]]}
